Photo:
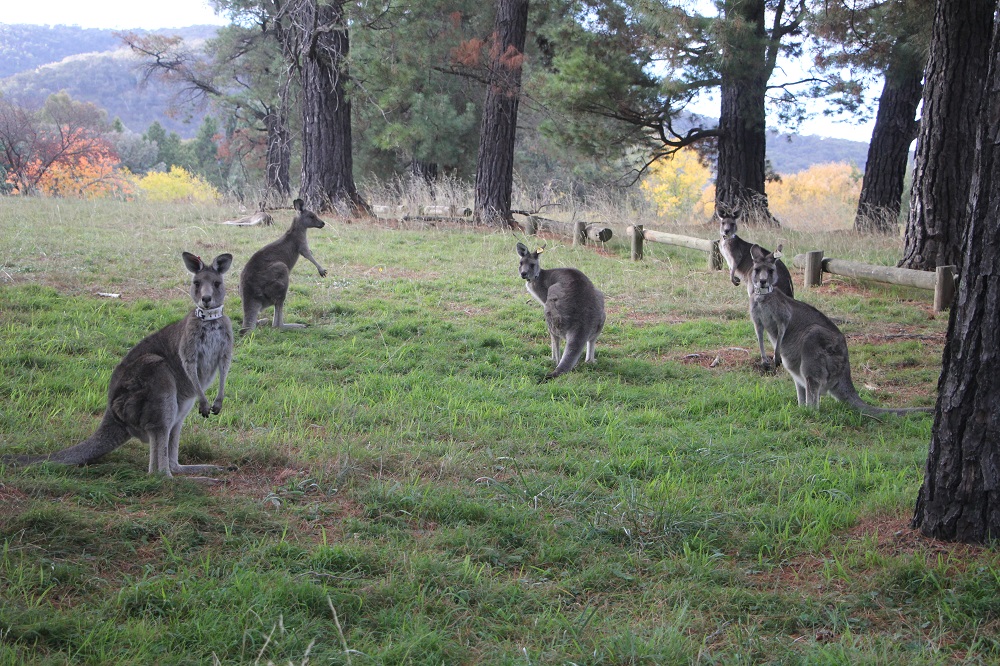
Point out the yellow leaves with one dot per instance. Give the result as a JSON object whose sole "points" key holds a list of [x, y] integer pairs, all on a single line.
{"points": [[820, 183], [676, 185], [824, 196], [177, 185]]}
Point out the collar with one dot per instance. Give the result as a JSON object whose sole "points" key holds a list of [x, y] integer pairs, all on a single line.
{"points": [[758, 291], [208, 315]]}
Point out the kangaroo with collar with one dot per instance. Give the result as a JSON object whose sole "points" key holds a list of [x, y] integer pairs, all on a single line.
{"points": [[264, 280], [809, 345], [737, 254], [158, 382], [574, 308]]}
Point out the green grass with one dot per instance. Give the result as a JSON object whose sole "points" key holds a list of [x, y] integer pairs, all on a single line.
{"points": [[407, 491]]}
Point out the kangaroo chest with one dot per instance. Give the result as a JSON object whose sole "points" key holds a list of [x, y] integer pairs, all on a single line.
{"points": [[771, 318], [209, 344], [539, 292], [733, 252]]}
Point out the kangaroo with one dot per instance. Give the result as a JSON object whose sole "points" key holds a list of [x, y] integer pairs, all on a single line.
{"points": [[737, 254], [260, 218], [155, 386], [806, 342], [574, 308], [264, 281]]}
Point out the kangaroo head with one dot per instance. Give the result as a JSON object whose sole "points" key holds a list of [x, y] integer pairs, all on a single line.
{"points": [[529, 267], [208, 289], [305, 217], [764, 273], [727, 221]]}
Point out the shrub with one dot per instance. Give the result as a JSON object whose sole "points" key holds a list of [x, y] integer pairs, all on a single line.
{"points": [[675, 185], [176, 185]]}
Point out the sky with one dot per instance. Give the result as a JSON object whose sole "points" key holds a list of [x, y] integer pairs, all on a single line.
{"points": [[111, 14], [154, 14]]}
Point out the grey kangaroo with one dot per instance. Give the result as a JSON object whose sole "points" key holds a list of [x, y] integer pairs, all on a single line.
{"points": [[264, 281], [159, 380], [806, 342], [574, 308], [737, 254]]}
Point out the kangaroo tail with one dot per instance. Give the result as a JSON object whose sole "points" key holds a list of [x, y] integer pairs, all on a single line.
{"points": [[575, 346], [845, 392], [109, 436]]}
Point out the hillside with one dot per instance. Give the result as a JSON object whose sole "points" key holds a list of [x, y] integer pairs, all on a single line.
{"points": [[92, 66]]}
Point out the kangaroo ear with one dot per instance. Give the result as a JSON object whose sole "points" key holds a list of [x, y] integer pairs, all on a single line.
{"points": [[299, 205], [756, 253], [222, 263], [777, 252], [522, 249], [193, 262]]}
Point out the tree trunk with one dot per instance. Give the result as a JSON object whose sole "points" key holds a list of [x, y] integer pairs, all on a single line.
{"points": [[277, 178], [495, 165], [327, 160], [960, 497], [895, 128], [960, 40], [740, 175], [425, 171]]}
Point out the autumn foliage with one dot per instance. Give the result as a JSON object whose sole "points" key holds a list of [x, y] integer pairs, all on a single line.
{"points": [[821, 197], [177, 185], [676, 185]]}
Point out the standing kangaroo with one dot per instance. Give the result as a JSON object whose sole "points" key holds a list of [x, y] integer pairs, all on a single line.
{"points": [[264, 281], [737, 254], [806, 342], [158, 381], [574, 308]]}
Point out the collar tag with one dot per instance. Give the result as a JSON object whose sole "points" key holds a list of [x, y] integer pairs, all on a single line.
{"points": [[208, 315], [758, 290]]}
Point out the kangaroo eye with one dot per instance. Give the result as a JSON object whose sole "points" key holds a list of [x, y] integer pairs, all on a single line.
{"points": [[197, 283], [218, 284]]}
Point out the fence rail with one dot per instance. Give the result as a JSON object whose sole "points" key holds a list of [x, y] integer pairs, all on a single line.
{"points": [[638, 235], [579, 231], [941, 281]]}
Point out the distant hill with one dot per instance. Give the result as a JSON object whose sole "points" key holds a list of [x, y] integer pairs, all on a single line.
{"points": [[92, 66], [791, 153]]}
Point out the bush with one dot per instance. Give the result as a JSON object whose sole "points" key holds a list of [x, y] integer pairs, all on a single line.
{"points": [[177, 185]]}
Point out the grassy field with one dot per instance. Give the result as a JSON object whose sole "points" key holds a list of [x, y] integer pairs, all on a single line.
{"points": [[406, 491]]}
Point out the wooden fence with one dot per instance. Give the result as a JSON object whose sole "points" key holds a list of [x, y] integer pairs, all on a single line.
{"points": [[579, 231], [637, 235], [941, 282]]}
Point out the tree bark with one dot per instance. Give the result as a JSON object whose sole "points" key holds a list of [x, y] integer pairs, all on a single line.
{"points": [[277, 177], [895, 128], [740, 175], [327, 159], [495, 164], [960, 497], [960, 41]]}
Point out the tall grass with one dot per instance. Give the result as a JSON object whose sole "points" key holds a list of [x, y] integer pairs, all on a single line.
{"points": [[406, 490]]}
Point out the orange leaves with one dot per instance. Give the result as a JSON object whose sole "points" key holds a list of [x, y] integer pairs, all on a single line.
{"points": [[468, 53]]}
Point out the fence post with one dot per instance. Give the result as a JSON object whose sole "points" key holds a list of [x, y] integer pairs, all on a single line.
{"points": [[580, 233], [814, 269], [944, 287], [715, 257], [531, 226], [636, 242]]}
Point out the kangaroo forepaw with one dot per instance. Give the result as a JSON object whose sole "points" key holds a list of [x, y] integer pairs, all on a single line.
{"points": [[204, 410], [736, 280], [216, 407], [322, 272]]}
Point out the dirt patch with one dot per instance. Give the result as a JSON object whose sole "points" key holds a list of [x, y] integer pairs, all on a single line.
{"points": [[725, 358], [888, 536]]}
